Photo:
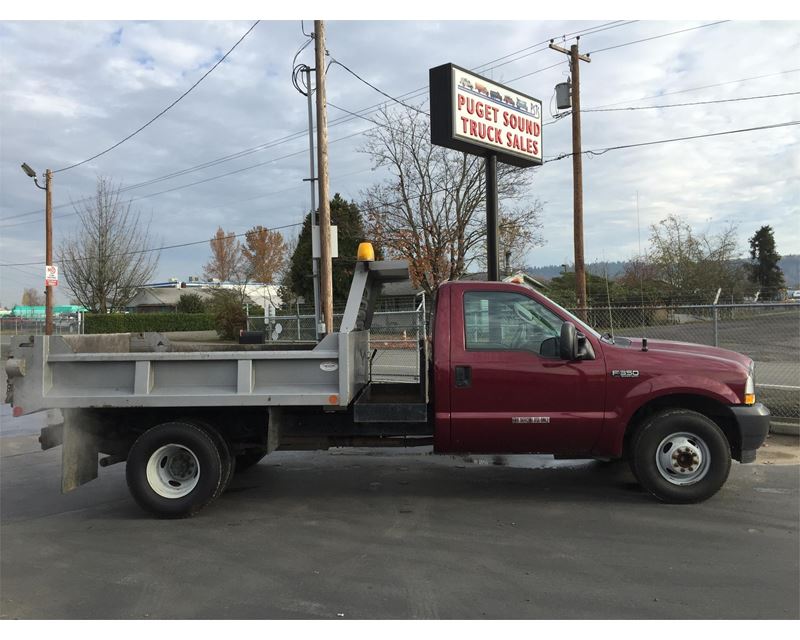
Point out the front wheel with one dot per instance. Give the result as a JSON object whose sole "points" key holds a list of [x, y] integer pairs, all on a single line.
{"points": [[174, 470], [680, 456]]}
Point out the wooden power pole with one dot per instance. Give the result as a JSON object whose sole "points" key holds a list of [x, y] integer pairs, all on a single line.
{"points": [[48, 249], [325, 262], [577, 173]]}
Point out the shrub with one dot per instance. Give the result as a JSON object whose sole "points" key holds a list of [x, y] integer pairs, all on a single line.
{"points": [[141, 322], [191, 303], [229, 314]]}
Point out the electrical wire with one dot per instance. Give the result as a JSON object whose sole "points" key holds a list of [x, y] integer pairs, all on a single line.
{"points": [[599, 152], [707, 86], [691, 104], [289, 137], [162, 248], [663, 35], [372, 86], [167, 108]]}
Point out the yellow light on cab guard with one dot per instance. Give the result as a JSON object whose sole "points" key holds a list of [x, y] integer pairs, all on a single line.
{"points": [[365, 252], [749, 398]]}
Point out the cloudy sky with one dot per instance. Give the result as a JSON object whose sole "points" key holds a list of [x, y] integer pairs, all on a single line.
{"points": [[69, 90]]}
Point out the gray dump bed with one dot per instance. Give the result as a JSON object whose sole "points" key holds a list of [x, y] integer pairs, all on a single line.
{"points": [[135, 370]]}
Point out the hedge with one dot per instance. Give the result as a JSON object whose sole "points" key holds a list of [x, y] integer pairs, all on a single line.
{"points": [[140, 322]]}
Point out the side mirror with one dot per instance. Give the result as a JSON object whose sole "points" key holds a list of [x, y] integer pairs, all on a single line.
{"points": [[568, 344]]}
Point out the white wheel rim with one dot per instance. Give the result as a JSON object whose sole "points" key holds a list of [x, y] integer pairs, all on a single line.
{"points": [[173, 471], [683, 459]]}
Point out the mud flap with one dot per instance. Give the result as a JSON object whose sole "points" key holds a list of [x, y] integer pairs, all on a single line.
{"points": [[79, 452]]}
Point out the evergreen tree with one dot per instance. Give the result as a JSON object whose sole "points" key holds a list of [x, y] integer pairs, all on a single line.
{"points": [[764, 258], [298, 280]]}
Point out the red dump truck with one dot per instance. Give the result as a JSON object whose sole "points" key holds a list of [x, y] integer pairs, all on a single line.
{"points": [[504, 370]]}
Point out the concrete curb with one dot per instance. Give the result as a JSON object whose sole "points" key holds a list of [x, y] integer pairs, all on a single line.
{"points": [[784, 427]]}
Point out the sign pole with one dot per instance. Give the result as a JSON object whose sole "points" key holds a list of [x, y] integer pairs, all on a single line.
{"points": [[48, 223], [491, 218]]}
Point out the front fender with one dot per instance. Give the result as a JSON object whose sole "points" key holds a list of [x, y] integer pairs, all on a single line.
{"points": [[621, 408]]}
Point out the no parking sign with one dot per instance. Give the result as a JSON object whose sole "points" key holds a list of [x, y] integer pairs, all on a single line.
{"points": [[51, 275]]}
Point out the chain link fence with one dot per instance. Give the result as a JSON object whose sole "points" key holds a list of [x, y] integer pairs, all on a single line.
{"points": [[395, 335], [67, 323], [767, 332]]}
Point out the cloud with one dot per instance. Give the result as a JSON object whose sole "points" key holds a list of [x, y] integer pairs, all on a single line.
{"points": [[71, 89]]}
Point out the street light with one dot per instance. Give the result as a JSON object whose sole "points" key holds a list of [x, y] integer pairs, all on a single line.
{"points": [[48, 232]]}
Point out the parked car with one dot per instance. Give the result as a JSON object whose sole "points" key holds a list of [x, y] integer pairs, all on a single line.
{"points": [[481, 89], [465, 83], [495, 95]]}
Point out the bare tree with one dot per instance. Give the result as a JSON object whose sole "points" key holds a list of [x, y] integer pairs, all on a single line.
{"points": [[694, 263], [111, 253], [33, 297], [226, 257], [431, 210], [264, 254]]}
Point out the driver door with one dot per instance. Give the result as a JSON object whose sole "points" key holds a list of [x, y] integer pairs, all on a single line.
{"points": [[510, 391]]}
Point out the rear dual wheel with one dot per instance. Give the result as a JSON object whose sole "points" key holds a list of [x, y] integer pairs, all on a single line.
{"points": [[177, 468]]}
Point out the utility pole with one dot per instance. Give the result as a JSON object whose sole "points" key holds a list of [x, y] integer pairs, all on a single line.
{"points": [[326, 265], [48, 231], [577, 172], [48, 240]]}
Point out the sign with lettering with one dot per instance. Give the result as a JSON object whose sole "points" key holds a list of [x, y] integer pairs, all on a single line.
{"points": [[473, 114], [50, 276]]}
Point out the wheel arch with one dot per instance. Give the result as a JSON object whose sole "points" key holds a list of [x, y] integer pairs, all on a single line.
{"points": [[715, 410]]}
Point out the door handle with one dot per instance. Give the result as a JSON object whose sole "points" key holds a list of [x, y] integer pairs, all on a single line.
{"points": [[463, 376]]}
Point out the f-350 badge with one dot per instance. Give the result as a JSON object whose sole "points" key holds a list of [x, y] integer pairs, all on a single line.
{"points": [[625, 373]]}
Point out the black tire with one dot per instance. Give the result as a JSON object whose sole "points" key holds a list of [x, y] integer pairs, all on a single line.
{"points": [[249, 458], [680, 456], [190, 448], [226, 457]]}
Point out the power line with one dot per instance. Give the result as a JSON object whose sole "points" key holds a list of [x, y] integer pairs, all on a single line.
{"points": [[190, 184], [582, 33], [372, 86], [352, 115], [707, 86], [162, 248], [595, 152], [599, 152], [290, 137], [163, 111], [690, 104], [663, 35]]}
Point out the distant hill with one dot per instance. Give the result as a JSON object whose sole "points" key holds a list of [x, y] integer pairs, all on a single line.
{"points": [[789, 264]]}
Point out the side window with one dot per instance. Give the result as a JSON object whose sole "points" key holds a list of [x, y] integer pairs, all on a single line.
{"points": [[504, 321]]}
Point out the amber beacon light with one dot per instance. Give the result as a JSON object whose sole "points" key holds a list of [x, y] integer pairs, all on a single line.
{"points": [[365, 252]]}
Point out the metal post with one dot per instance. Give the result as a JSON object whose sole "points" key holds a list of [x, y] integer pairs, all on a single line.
{"points": [[491, 218], [48, 217], [297, 310], [716, 325], [314, 218]]}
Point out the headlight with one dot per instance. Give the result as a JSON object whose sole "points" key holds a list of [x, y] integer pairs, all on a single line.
{"points": [[750, 386]]}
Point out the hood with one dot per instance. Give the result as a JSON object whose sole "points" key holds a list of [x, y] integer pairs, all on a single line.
{"points": [[691, 349]]}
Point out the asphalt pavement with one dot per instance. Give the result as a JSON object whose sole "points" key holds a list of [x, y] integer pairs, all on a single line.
{"points": [[399, 534]]}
